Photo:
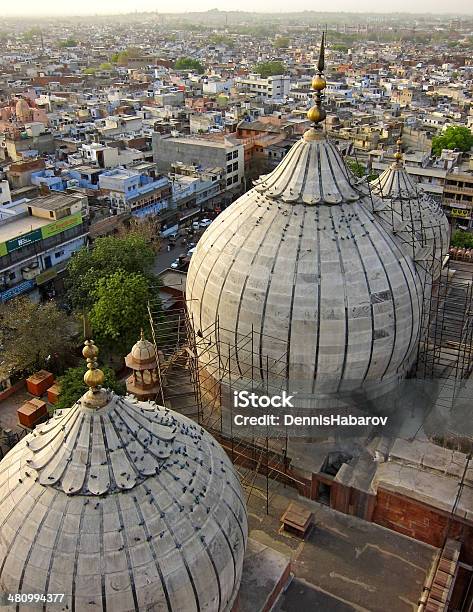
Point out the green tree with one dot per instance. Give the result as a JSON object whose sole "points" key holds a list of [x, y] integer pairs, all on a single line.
{"points": [[266, 69], [340, 47], [34, 336], [72, 385], [120, 310], [188, 63], [359, 170], [281, 42], [453, 137], [462, 239], [220, 39], [130, 253], [31, 34], [121, 57], [69, 42]]}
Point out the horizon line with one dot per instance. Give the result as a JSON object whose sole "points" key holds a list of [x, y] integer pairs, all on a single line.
{"points": [[241, 12]]}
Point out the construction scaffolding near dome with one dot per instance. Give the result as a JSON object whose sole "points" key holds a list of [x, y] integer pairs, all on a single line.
{"points": [[417, 219]]}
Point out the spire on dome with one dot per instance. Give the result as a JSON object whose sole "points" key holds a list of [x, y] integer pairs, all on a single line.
{"points": [[317, 113], [96, 397]]}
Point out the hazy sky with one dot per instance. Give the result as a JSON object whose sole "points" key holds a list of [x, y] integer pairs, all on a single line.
{"points": [[91, 7]]}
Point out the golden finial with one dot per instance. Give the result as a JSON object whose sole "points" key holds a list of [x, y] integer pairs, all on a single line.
{"points": [[94, 378], [317, 114], [142, 335], [398, 154]]}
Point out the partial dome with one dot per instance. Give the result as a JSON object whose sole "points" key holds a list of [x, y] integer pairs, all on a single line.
{"points": [[142, 355], [302, 260], [127, 507], [424, 220], [297, 178]]}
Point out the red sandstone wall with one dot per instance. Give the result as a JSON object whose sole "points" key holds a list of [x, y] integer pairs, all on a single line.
{"points": [[420, 522], [11, 390]]}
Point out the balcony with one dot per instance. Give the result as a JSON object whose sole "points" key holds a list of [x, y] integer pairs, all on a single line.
{"points": [[458, 203], [455, 189]]}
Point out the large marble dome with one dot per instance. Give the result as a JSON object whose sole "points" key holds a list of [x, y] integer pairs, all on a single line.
{"points": [[304, 263], [123, 506]]}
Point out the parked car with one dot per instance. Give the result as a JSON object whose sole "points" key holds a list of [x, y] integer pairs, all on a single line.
{"points": [[190, 252], [205, 222]]}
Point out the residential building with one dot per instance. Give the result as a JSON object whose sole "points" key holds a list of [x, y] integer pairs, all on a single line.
{"points": [[269, 87], [202, 154], [131, 191], [36, 240]]}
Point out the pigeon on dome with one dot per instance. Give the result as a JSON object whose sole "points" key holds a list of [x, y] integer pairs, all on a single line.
{"points": [[113, 479]]}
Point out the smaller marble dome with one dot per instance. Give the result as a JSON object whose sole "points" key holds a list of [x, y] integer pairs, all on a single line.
{"points": [[145, 382], [142, 355], [418, 221]]}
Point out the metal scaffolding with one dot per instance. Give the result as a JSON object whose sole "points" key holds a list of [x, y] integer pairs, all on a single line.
{"points": [[446, 347], [197, 370], [196, 374]]}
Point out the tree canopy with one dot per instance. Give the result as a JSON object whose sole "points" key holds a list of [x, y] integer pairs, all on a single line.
{"points": [[72, 385], [130, 253], [462, 239], [453, 137], [340, 47], [266, 69], [282, 42], [69, 42], [188, 63], [359, 170], [120, 309], [34, 336], [221, 39]]}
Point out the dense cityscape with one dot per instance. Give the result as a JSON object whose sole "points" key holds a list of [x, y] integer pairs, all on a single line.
{"points": [[276, 203]]}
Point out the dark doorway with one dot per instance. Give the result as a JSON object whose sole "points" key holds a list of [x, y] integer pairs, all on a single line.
{"points": [[323, 493]]}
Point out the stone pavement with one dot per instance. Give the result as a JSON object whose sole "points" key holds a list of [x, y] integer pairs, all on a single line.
{"points": [[345, 564]]}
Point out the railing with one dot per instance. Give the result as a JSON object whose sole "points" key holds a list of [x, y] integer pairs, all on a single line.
{"points": [[455, 189]]}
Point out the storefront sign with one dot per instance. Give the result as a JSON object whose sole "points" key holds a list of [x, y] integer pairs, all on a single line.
{"points": [[460, 212], [16, 290], [52, 229], [62, 225]]}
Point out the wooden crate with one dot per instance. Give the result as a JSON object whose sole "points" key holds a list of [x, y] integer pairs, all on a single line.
{"points": [[53, 393], [297, 520], [39, 382], [32, 412]]}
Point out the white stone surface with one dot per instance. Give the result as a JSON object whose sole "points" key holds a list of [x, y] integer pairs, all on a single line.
{"points": [[430, 474], [131, 506], [426, 223], [303, 261]]}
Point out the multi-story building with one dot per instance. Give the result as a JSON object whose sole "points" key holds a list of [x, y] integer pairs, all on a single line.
{"points": [[277, 86], [37, 239], [131, 191], [5, 195], [458, 196], [202, 154]]}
